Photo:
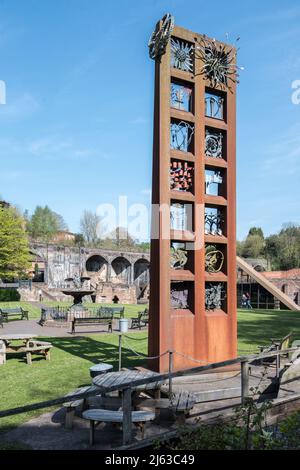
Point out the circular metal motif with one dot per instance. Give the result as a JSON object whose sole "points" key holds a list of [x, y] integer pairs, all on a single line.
{"points": [[159, 39]]}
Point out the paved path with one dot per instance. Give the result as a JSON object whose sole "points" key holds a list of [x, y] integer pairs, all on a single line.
{"points": [[32, 326]]}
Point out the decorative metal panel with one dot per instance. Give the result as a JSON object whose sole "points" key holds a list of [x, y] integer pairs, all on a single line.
{"points": [[213, 144], [182, 55]]}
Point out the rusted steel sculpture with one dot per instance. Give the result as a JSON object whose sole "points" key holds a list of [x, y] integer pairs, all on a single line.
{"points": [[193, 272]]}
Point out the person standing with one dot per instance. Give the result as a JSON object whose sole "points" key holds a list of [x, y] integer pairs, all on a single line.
{"points": [[248, 301]]}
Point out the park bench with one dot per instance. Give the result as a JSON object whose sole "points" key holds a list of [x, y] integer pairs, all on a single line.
{"points": [[141, 320], [116, 311], [11, 312], [72, 405], [103, 316], [276, 344], [97, 416]]}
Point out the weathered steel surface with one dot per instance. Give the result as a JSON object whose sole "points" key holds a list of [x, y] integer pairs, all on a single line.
{"points": [[197, 334]]}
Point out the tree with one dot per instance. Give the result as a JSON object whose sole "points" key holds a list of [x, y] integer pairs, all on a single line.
{"points": [[89, 226], [253, 246], [44, 223], [256, 231], [14, 247], [283, 249]]}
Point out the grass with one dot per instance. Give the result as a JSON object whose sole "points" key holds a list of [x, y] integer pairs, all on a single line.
{"points": [[67, 370], [33, 310], [72, 357]]}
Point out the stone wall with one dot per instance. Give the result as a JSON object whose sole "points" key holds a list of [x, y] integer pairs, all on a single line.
{"points": [[112, 273]]}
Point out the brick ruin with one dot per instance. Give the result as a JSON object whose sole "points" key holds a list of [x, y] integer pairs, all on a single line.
{"points": [[116, 276]]}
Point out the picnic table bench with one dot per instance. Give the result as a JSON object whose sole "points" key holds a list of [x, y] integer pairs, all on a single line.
{"points": [[6, 313], [75, 403], [103, 316], [97, 416], [28, 347], [141, 320], [180, 404]]}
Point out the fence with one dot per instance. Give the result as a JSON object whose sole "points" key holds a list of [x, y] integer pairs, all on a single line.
{"points": [[127, 387]]}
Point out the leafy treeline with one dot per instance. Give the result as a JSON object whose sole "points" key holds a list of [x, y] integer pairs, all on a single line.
{"points": [[14, 247], [282, 250], [44, 223]]}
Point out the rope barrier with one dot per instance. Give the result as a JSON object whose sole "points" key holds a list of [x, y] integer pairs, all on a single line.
{"points": [[144, 356]]}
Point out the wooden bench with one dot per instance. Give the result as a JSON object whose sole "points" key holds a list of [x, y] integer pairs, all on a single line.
{"points": [[33, 347], [97, 416], [80, 402], [102, 318], [11, 312], [141, 320], [116, 311], [38, 347], [276, 344], [180, 404]]}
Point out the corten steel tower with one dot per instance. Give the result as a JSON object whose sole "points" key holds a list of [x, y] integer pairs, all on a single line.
{"points": [[193, 268]]}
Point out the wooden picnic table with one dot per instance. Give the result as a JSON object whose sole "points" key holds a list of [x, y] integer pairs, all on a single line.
{"points": [[9, 338], [104, 382]]}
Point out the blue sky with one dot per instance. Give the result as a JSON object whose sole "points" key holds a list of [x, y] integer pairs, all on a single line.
{"points": [[77, 127]]}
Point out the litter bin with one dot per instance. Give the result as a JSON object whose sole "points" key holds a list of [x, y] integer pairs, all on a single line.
{"points": [[123, 325]]}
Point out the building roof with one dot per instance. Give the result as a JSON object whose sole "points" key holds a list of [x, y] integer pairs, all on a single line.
{"points": [[290, 274]]}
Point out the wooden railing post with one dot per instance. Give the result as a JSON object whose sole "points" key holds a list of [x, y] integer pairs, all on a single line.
{"points": [[127, 421], [120, 351], [170, 371], [244, 380]]}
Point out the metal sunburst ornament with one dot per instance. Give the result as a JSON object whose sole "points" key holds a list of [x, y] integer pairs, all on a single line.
{"points": [[159, 39], [219, 62], [182, 55]]}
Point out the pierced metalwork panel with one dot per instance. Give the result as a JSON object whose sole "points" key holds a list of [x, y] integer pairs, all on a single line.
{"points": [[214, 259], [213, 144], [213, 182], [214, 106], [181, 175], [215, 295], [181, 97], [180, 295], [219, 62], [182, 55], [181, 135], [214, 221], [180, 254], [181, 216]]}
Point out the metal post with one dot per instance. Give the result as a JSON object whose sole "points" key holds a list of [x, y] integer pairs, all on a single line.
{"points": [[127, 421], [277, 362], [170, 372], [120, 351], [244, 380]]}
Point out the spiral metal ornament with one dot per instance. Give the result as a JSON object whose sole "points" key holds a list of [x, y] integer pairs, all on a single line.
{"points": [[159, 38], [219, 62]]}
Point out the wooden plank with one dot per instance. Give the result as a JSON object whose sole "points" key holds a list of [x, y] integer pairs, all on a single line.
{"points": [[127, 418]]}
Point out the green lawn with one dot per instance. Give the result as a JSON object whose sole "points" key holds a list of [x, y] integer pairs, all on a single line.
{"points": [[68, 369], [34, 312], [72, 357]]}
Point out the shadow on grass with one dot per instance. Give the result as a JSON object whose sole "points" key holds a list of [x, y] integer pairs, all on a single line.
{"points": [[97, 351]]}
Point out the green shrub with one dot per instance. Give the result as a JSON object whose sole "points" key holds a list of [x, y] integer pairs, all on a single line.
{"points": [[9, 295]]}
